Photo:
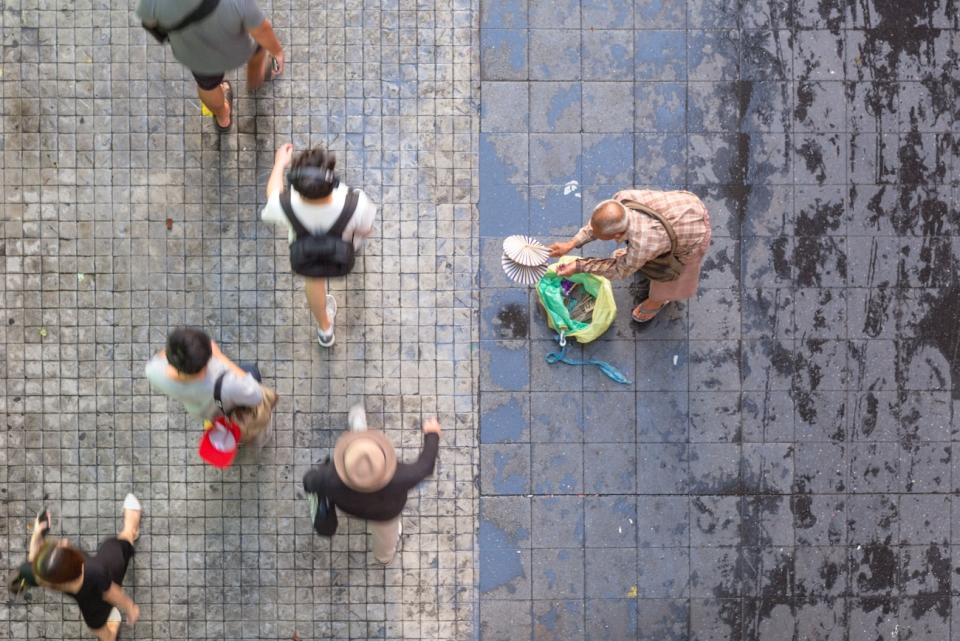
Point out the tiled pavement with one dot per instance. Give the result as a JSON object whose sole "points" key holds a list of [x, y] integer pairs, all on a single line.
{"points": [[125, 215], [782, 465]]}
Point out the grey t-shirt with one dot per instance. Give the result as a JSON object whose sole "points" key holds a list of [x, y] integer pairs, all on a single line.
{"points": [[214, 45], [197, 396]]}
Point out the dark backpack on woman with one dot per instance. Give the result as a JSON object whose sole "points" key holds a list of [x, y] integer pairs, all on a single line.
{"points": [[321, 255]]}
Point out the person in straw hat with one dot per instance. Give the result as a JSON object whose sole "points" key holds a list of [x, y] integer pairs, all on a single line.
{"points": [[365, 480]]}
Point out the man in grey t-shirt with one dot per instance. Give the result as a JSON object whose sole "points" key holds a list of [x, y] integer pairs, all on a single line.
{"points": [[188, 371], [235, 33]]}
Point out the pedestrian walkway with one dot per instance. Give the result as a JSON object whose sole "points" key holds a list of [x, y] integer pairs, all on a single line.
{"points": [[125, 215], [781, 465]]}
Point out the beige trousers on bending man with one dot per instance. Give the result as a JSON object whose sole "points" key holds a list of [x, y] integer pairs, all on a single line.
{"points": [[386, 534]]}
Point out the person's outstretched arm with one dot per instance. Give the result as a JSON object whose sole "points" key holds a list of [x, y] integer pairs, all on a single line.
{"points": [[409, 474], [582, 237], [280, 163], [40, 528], [115, 596]]}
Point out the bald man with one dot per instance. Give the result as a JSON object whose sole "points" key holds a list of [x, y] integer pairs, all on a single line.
{"points": [[622, 219]]}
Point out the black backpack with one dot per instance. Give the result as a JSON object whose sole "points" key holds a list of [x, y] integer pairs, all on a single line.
{"points": [[321, 255], [204, 9]]}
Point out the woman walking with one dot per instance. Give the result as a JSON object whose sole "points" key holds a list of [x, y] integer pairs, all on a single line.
{"points": [[94, 582]]}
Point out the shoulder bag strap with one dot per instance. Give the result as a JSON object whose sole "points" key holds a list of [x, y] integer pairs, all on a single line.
{"points": [[216, 391], [287, 207], [349, 206], [634, 205], [205, 8]]}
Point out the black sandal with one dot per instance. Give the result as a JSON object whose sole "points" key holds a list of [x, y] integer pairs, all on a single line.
{"points": [[228, 98]]}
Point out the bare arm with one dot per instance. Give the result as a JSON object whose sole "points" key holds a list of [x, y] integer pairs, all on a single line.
{"points": [[281, 161], [36, 539], [266, 38], [115, 596]]}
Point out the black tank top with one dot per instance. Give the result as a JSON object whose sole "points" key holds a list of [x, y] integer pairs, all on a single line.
{"points": [[96, 581]]}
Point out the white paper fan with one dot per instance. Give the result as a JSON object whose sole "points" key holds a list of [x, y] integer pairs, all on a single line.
{"points": [[523, 274], [525, 250]]}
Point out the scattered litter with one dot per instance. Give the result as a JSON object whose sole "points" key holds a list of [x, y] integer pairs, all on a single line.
{"points": [[43, 332], [674, 359], [81, 277], [204, 111], [619, 529], [571, 188], [632, 592], [631, 521], [169, 224]]}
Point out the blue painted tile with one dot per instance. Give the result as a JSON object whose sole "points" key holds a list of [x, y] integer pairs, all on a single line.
{"points": [[505, 573], [619, 354], [504, 313], [504, 158], [554, 158], [661, 55], [504, 418], [609, 468], [601, 425], [491, 271], [556, 417], [663, 521], [504, 107], [607, 14], [660, 107], [503, 203], [505, 366], [558, 619], [557, 468], [558, 574], [662, 417], [611, 572], [611, 521], [503, 54], [713, 14], [612, 619], [506, 469], [608, 55], [505, 619], [503, 14], [558, 522], [555, 14], [663, 468], [660, 14], [555, 210], [713, 55], [663, 573], [555, 107], [660, 159], [608, 159], [504, 522], [662, 366], [556, 377], [608, 107], [554, 54]]}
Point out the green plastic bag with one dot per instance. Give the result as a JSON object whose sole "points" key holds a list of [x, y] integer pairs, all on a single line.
{"points": [[551, 298]]}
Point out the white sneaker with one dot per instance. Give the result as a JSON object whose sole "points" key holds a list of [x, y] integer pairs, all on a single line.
{"points": [[327, 339], [357, 418]]}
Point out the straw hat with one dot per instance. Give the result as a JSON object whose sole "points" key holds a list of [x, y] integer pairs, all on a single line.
{"points": [[365, 461]]}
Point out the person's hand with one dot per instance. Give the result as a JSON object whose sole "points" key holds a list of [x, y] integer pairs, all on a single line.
{"points": [[561, 249], [567, 269], [133, 614], [278, 68], [42, 522], [431, 426], [284, 155]]}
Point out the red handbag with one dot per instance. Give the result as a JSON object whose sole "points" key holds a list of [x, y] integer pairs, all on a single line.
{"points": [[219, 443]]}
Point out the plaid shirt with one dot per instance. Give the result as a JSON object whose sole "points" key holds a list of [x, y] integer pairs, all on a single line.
{"points": [[646, 238]]}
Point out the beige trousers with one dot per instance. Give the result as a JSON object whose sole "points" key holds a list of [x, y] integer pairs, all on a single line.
{"points": [[386, 535]]}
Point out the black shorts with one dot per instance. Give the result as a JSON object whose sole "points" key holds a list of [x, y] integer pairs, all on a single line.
{"points": [[209, 83]]}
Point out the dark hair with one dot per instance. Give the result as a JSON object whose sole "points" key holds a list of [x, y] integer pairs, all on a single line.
{"points": [[188, 350], [311, 173], [58, 564]]}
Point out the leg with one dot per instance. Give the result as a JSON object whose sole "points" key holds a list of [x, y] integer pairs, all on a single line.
{"points": [[108, 632], [316, 289], [386, 535], [132, 511], [211, 90], [646, 310]]}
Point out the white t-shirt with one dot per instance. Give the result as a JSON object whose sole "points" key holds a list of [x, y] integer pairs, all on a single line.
{"points": [[197, 396], [320, 218]]}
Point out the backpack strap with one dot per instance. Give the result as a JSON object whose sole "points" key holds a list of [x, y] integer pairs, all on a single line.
{"points": [[205, 8], [349, 207], [287, 207], [643, 209], [216, 391]]}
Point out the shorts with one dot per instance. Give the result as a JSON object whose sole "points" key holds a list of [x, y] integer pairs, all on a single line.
{"points": [[208, 82]]}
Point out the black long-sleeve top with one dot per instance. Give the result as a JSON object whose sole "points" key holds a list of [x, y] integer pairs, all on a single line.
{"points": [[387, 502]]}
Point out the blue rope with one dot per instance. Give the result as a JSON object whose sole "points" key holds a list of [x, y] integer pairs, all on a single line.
{"points": [[609, 370]]}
